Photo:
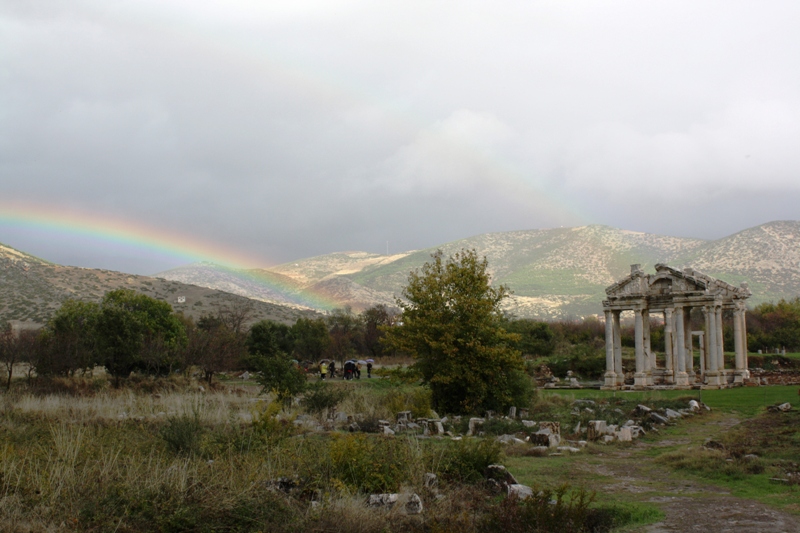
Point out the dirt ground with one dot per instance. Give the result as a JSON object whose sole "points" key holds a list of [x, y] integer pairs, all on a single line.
{"points": [[689, 504]]}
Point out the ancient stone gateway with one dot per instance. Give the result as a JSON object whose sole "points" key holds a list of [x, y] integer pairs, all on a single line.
{"points": [[675, 293]]}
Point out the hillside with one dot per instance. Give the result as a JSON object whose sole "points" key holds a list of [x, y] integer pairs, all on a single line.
{"points": [[32, 289], [554, 273]]}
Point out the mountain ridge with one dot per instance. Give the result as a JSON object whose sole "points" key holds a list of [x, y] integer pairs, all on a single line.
{"points": [[563, 272]]}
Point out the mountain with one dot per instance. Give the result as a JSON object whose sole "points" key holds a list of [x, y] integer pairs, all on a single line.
{"points": [[32, 289], [554, 273]]}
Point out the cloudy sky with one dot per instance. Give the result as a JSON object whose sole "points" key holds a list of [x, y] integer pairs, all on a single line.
{"points": [[285, 129]]}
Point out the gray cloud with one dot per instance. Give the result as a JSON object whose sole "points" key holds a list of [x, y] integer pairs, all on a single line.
{"points": [[289, 129]]}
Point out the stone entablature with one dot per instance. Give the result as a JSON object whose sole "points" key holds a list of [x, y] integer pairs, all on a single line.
{"points": [[674, 293]]}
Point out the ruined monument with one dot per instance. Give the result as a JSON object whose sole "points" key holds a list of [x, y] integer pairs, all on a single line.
{"points": [[675, 293]]}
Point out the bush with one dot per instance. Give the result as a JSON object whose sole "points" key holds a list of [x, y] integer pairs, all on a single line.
{"points": [[416, 400], [465, 460], [183, 433], [362, 463], [557, 511], [320, 396]]}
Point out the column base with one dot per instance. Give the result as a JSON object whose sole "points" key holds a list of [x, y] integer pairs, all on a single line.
{"points": [[669, 377], [610, 381], [682, 380], [639, 380], [714, 380], [739, 376]]}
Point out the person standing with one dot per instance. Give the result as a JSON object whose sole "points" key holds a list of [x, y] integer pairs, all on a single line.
{"points": [[323, 369], [369, 369]]}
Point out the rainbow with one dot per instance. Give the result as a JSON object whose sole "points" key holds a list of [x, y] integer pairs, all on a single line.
{"points": [[52, 219]]}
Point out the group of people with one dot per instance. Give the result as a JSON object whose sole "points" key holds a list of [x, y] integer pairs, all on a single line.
{"points": [[352, 369]]}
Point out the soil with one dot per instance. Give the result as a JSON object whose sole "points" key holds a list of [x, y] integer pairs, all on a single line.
{"points": [[689, 504]]}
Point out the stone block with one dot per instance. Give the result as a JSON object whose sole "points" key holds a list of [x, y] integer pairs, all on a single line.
{"points": [[473, 425], [382, 500], [624, 434], [554, 427], [413, 505], [519, 491]]}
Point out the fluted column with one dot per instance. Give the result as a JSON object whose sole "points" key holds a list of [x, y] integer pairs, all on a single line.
{"points": [[737, 339], [618, 348], [687, 329], [610, 375], [639, 377], [669, 363], [720, 352], [681, 379]]}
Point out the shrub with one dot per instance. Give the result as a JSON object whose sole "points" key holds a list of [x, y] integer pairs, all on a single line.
{"points": [[183, 433], [369, 464], [465, 460], [416, 400], [548, 510], [320, 396]]}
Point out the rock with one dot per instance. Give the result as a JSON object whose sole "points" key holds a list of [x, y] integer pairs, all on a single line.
{"points": [[512, 412], [608, 438], [404, 416], [500, 474], [529, 423], [750, 457], [473, 425], [387, 430], [340, 417], [672, 414], [655, 417], [643, 409], [509, 439], [413, 505], [570, 449], [711, 444], [413, 425], [430, 481], [784, 407], [576, 429], [354, 427], [519, 491], [582, 443], [583, 402], [624, 434], [540, 450], [382, 500], [596, 429], [554, 427], [629, 423], [694, 406]]}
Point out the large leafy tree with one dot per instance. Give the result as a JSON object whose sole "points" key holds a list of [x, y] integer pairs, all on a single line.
{"points": [[128, 328], [452, 325]]}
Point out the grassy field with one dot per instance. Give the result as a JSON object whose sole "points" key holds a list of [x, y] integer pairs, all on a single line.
{"points": [[166, 455]]}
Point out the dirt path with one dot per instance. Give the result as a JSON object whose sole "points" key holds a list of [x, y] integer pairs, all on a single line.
{"points": [[689, 505]]}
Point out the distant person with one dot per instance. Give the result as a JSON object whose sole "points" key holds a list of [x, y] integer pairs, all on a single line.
{"points": [[369, 369], [358, 370], [332, 369], [323, 369]]}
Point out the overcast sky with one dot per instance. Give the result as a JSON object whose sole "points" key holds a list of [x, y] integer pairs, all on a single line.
{"points": [[290, 129]]}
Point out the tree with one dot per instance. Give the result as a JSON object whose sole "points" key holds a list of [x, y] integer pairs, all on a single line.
{"points": [[267, 338], [375, 319], [346, 334], [71, 338], [311, 338], [277, 372], [128, 324], [15, 348], [213, 346], [451, 325]]}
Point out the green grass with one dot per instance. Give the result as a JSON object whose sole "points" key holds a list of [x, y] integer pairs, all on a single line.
{"points": [[747, 401]]}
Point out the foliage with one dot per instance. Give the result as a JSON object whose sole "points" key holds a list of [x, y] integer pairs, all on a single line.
{"points": [[415, 399], [771, 326], [363, 463], [452, 326], [535, 338], [279, 375], [345, 334], [374, 320], [70, 339], [15, 349], [320, 396], [268, 338], [547, 510], [130, 327], [311, 338], [213, 346], [183, 433], [465, 460]]}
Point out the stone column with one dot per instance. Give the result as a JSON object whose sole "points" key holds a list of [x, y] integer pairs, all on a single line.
{"points": [[702, 348], [618, 349], [720, 352], [649, 356], [681, 378], [741, 373], [610, 375], [713, 357], [687, 328], [743, 326], [669, 363], [639, 377]]}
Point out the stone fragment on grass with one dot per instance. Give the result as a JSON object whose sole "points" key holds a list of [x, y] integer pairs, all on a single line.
{"points": [[655, 417], [500, 474], [519, 491], [473, 425], [694, 406], [413, 505], [672, 414], [382, 500]]}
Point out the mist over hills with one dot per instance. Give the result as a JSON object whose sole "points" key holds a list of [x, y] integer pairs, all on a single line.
{"points": [[32, 289], [554, 273]]}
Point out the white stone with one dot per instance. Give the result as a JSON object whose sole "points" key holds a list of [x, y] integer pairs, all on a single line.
{"points": [[413, 505], [520, 491]]}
